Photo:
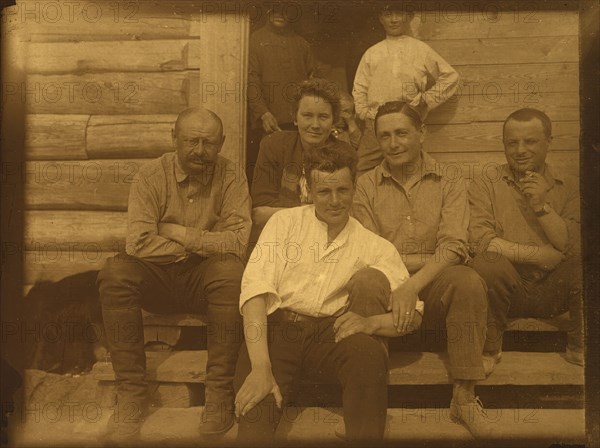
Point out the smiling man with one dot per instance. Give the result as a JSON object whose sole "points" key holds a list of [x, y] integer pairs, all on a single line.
{"points": [[314, 293], [188, 220], [525, 226], [409, 201]]}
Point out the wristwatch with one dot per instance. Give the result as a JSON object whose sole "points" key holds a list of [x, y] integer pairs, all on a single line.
{"points": [[543, 211]]}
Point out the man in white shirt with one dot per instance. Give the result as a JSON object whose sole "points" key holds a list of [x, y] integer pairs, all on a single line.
{"points": [[399, 68], [323, 283]]}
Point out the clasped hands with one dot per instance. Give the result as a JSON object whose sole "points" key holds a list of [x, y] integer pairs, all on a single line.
{"points": [[404, 316]]}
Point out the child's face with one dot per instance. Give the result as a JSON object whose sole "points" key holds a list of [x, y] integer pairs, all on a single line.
{"points": [[395, 23], [346, 106]]}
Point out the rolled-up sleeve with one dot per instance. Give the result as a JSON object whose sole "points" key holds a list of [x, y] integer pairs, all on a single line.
{"points": [[265, 266], [482, 222], [452, 235]]}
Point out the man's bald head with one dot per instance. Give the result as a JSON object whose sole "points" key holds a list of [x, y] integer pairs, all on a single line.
{"points": [[197, 114], [198, 139]]}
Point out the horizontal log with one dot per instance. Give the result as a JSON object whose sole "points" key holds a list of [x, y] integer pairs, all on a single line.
{"points": [[110, 93], [120, 136], [499, 21], [61, 230], [51, 263], [55, 136], [79, 185], [524, 50], [488, 137], [107, 56], [467, 108], [51, 21]]}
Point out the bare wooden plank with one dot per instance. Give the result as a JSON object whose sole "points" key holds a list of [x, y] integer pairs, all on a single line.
{"points": [[407, 368], [51, 21], [108, 93], [487, 137], [465, 108], [79, 185], [55, 137], [61, 230], [420, 426], [470, 164], [53, 263], [558, 323], [524, 50], [497, 21], [518, 80], [129, 136], [111, 56], [223, 75]]}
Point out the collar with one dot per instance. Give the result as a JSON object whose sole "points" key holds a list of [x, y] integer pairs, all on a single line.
{"points": [[428, 166], [181, 175], [396, 38]]}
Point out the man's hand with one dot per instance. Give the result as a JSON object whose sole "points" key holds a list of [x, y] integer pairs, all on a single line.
{"points": [[403, 301], [258, 384], [175, 232], [350, 323], [269, 123], [535, 187], [231, 222], [547, 257]]}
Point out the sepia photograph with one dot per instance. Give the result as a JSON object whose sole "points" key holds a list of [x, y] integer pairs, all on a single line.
{"points": [[300, 223]]}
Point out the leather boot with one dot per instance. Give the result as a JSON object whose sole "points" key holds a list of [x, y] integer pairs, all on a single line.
{"points": [[125, 338], [224, 338]]}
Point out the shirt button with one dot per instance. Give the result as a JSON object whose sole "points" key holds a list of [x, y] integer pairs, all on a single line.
{"points": [[408, 218], [190, 200]]}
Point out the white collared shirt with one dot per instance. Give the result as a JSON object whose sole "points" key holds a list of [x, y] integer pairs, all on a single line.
{"points": [[297, 270]]}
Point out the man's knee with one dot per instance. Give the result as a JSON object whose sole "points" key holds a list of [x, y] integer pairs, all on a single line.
{"points": [[494, 269], [119, 281], [223, 276], [369, 288], [467, 282]]}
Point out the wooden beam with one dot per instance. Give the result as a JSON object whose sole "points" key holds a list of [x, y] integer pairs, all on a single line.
{"points": [[129, 136], [55, 136], [79, 185], [67, 230], [51, 263], [111, 56], [467, 108], [108, 93], [483, 137], [497, 21], [525, 50]]}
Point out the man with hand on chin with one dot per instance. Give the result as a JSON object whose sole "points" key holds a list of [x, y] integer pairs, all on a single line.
{"points": [[315, 293], [525, 225], [410, 201]]}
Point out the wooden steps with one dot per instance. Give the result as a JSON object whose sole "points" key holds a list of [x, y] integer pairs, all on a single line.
{"points": [[406, 368], [299, 426]]}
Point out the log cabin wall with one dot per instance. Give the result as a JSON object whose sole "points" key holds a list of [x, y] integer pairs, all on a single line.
{"points": [[125, 73], [105, 82]]}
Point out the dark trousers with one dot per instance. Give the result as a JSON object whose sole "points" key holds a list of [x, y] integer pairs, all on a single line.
{"points": [[519, 291], [208, 286], [456, 305], [307, 349]]}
